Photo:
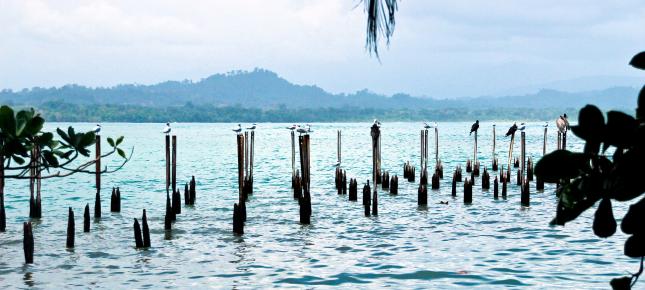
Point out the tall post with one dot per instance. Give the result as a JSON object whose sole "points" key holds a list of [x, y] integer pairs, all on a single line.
{"points": [[510, 155], [564, 140], [425, 148], [174, 163], [475, 150], [293, 154], [375, 132], [436, 144], [167, 162], [420, 150], [544, 143], [494, 141], [246, 153], [3, 217], [251, 154], [98, 163], [559, 140], [523, 153], [240, 167]]}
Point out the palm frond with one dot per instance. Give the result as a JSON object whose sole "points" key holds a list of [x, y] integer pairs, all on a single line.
{"points": [[380, 22]]}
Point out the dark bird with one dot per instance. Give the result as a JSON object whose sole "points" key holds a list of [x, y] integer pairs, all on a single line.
{"points": [[474, 127], [562, 123], [511, 130]]}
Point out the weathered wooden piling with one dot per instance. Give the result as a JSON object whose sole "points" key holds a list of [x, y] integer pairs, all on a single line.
{"points": [[192, 187], [516, 163], [375, 203], [186, 195], [495, 188], [422, 195], [138, 241], [469, 166], [423, 177], [176, 202], [519, 177], [70, 228], [367, 200], [485, 180], [529, 169], [510, 156], [525, 198], [167, 147], [113, 200], [28, 242], [238, 223], [97, 205], [454, 184], [504, 182], [168, 216], [468, 191], [439, 169], [339, 146], [97, 174], [304, 200], [35, 210], [353, 190], [239, 214], [297, 185], [394, 185], [86, 219], [3, 214], [495, 161], [146, 230], [523, 156], [458, 173], [174, 163], [476, 168], [293, 159], [170, 212], [495, 164], [435, 180], [344, 183]]}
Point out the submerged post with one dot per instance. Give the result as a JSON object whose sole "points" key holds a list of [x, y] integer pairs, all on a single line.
{"points": [[167, 161], [70, 228], [28, 243], [523, 153], [238, 214], [376, 141], [97, 213]]}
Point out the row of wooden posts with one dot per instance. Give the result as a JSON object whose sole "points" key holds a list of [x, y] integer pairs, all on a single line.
{"points": [[245, 153], [141, 230]]}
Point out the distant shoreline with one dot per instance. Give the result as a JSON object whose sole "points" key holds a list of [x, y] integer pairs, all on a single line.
{"points": [[63, 112]]}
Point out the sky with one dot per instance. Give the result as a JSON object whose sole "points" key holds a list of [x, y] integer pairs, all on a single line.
{"points": [[440, 49]]}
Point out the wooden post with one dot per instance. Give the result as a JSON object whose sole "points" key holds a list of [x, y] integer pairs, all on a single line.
{"points": [[454, 184], [436, 144], [494, 141], [251, 155], [193, 190], [496, 188], [525, 198], [376, 136], [366, 198], [559, 140], [70, 228], [97, 205], [174, 163], [86, 219], [510, 155], [3, 215], [146, 230], [98, 163], [293, 158], [167, 162], [468, 191], [168, 217], [137, 234], [523, 153], [118, 199], [544, 142], [475, 149], [240, 168], [28, 243]]}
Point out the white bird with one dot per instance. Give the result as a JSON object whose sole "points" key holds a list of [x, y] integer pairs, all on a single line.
{"points": [[252, 127], [97, 129], [562, 123], [337, 164], [522, 126], [237, 129], [546, 124], [292, 127], [426, 125], [301, 130], [377, 123], [166, 130]]}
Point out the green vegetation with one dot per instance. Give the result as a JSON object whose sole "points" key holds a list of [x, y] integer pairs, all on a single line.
{"points": [[595, 177], [63, 112]]}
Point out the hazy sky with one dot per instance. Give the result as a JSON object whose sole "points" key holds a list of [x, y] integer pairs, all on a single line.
{"points": [[440, 48]]}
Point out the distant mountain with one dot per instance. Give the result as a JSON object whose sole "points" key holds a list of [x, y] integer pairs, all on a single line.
{"points": [[264, 89]]}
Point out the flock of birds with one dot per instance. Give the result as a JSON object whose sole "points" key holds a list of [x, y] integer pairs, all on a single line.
{"points": [[562, 123]]}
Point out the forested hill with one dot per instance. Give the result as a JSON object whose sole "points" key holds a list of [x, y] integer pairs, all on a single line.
{"points": [[263, 89]]}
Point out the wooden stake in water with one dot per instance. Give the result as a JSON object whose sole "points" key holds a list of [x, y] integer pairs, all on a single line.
{"points": [[174, 163], [523, 153], [544, 142], [98, 163], [167, 162]]}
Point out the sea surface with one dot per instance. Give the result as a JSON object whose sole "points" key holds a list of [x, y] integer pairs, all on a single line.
{"points": [[489, 244]]}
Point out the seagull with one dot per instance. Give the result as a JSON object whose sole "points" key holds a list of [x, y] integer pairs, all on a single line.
{"points": [[562, 123], [309, 129], [292, 127], [237, 129], [546, 124], [337, 164], [252, 127], [511, 130], [97, 129], [377, 123], [474, 127], [301, 130], [428, 126], [522, 126], [166, 130]]}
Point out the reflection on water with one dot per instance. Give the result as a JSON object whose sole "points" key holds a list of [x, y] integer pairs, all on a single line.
{"points": [[490, 243]]}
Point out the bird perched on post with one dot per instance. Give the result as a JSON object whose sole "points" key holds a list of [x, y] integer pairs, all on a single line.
{"points": [[252, 127], [377, 123], [237, 129], [474, 127], [426, 125], [292, 127], [301, 130], [166, 130], [546, 124], [97, 129], [512, 129], [562, 123], [522, 126]]}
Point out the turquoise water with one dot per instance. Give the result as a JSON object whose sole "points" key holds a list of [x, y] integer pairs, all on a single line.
{"points": [[490, 244]]}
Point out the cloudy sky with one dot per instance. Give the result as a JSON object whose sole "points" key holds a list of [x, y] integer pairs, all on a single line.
{"points": [[440, 48]]}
